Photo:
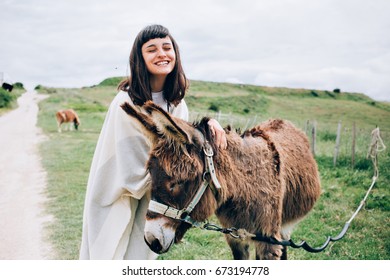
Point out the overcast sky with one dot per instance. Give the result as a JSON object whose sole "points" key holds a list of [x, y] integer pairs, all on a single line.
{"points": [[314, 44]]}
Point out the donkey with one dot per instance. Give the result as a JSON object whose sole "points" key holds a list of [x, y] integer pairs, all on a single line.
{"points": [[67, 116], [265, 182]]}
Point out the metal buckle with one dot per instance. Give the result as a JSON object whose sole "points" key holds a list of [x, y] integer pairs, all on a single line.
{"points": [[207, 149]]}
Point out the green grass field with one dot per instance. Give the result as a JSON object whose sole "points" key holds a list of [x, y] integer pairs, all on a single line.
{"points": [[67, 158]]}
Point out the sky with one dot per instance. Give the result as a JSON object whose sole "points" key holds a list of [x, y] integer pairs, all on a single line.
{"points": [[321, 44]]}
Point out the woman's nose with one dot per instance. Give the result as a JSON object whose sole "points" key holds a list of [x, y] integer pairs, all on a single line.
{"points": [[161, 53]]}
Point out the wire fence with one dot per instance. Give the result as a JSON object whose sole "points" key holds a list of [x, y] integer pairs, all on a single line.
{"points": [[337, 139]]}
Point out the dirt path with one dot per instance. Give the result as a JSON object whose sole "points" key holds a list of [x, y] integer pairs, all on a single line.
{"points": [[22, 184]]}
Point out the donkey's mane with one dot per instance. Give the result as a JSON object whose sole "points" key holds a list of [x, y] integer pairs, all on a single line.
{"points": [[204, 128]]}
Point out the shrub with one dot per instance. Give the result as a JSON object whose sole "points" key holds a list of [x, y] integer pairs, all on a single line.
{"points": [[5, 98], [214, 107], [18, 85]]}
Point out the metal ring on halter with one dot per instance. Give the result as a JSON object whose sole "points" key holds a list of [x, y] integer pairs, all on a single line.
{"points": [[205, 174], [208, 150]]}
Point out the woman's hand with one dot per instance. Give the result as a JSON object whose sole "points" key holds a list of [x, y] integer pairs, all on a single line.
{"points": [[218, 133]]}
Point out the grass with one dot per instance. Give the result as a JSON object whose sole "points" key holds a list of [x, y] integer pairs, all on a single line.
{"points": [[67, 158]]}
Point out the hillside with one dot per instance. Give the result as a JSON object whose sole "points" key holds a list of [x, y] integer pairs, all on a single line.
{"points": [[297, 105]]}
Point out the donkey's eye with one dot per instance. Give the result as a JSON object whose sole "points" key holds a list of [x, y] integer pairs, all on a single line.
{"points": [[175, 187], [172, 187]]}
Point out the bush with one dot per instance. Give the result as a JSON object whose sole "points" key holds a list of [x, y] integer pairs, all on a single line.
{"points": [[214, 107], [18, 85], [5, 98]]}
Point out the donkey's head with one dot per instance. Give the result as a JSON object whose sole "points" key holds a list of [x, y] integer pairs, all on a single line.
{"points": [[176, 165]]}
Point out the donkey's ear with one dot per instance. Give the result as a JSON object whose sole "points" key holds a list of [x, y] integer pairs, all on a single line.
{"points": [[148, 127], [169, 126]]}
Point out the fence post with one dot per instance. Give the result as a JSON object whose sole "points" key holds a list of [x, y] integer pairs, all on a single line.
{"points": [[337, 147], [313, 138], [307, 127], [254, 121], [219, 116], [353, 144]]}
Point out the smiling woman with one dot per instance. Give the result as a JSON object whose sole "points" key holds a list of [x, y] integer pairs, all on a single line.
{"points": [[116, 200], [117, 192]]}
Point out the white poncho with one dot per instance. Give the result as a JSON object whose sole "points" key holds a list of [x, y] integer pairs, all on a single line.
{"points": [[115, 203]]}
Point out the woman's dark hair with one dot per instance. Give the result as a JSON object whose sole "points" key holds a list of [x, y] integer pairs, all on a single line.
{"points": [[138, 84]]}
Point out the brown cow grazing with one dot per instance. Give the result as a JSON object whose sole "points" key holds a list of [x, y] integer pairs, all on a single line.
{"points": [[266, 180], [67, 116]]}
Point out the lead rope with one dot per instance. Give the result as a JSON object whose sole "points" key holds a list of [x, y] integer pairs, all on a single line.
{"points": [[376, 146]]}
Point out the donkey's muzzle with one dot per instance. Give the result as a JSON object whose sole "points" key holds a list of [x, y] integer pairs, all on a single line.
{"points": [[154, 245]]}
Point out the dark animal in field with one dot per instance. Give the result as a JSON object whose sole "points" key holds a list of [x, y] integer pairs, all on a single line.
{"points": [[67, 116], [268, 180], [7, 87]]}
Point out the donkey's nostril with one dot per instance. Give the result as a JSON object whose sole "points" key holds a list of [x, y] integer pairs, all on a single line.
{"points": [[154, 245]]}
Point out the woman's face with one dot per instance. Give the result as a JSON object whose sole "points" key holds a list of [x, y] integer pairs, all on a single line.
{"points": [[159, 56]]}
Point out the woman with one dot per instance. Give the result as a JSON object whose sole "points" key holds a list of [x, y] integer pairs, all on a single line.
{"points": [[117, 198]]}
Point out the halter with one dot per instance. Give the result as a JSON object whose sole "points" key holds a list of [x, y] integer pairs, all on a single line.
{"points": [[184, 214]]}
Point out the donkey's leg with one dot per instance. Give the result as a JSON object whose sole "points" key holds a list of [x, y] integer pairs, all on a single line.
{"points": [[240, 250], [286, 233], [271, 227]]}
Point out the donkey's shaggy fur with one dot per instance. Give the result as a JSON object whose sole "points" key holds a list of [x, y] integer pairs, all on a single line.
{"points": [[268, 175]]}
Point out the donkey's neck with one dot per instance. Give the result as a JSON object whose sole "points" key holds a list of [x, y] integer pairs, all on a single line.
{"points": [[227, 169]]}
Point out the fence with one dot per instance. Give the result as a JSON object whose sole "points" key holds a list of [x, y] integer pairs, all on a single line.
{"points": [[347, 140]]}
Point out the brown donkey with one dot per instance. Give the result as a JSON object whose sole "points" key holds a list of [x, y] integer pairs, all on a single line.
{"points": [[267, 180]]}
